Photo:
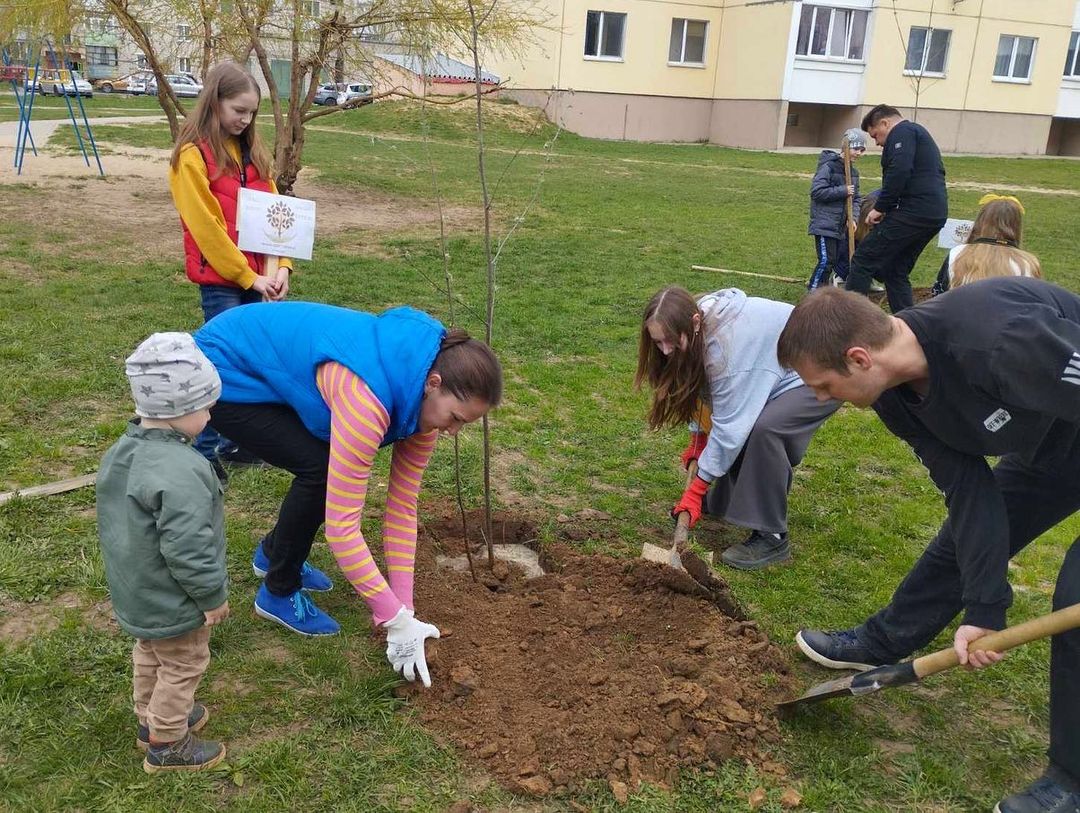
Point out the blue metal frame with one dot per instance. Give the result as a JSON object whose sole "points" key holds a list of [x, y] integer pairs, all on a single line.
{"points": [[6, 58], [26, 111]]}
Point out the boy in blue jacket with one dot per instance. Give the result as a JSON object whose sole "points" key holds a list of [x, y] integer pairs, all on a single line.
{"points": [[161, 521], [829, 192]]}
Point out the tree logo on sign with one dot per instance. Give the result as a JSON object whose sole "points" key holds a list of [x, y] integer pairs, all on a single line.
{"points": [[281, 218]]}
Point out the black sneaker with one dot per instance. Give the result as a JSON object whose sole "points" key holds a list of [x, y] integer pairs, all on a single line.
{"points": [[757, 551], [1044, 795], [195, 721], [240, 458], [836, 650], [219, 470], [186, 754]]}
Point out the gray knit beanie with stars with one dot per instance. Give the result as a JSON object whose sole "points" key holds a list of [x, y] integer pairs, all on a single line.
{"points": [[170, 377]]}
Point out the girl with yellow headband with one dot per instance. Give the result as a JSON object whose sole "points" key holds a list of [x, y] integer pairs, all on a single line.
{"points": [[992, 248]]}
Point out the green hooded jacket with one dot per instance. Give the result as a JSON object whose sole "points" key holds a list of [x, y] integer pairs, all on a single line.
{"points": [[161, 521]]}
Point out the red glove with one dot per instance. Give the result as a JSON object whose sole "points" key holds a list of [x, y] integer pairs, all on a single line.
{"points": [[694, 448], [691, 501]]}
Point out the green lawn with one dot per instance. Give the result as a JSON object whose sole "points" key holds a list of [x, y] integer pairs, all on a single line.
{"points": [[313, 725], [102, 104]]}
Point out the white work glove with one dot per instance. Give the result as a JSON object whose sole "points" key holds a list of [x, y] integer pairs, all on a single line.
{"points": [[405, 636]]}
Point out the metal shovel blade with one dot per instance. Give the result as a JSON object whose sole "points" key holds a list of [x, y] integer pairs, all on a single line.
{"points": [[857, 684]]}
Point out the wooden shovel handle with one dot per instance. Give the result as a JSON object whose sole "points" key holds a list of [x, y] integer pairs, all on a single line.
{"points": [[682, 523], [848, 209], [1003, 640]]}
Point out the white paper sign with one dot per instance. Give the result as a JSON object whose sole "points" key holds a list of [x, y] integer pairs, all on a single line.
{"points": [[953, 233], [275, 224]]}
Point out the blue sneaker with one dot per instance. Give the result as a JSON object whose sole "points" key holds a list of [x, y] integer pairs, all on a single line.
{"points": [[296, 612], [1044, 795], [836, 650], [311, 578]]}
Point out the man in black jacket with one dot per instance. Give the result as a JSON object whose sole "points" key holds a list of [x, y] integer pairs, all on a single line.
{"points": [[910, 210], [987, 369]]}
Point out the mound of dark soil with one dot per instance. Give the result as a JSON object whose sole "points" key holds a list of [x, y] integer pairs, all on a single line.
{"points": [[604, 668]]}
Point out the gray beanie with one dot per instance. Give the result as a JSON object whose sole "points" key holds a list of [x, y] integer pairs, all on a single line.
{"points": [[855, 138], [170, 377]]}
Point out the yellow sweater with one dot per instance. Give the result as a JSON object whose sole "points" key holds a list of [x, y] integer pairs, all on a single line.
{"points": [[201, 213]]}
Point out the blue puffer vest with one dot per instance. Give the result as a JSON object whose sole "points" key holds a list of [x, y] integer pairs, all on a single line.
{"points": [[268, 353]]}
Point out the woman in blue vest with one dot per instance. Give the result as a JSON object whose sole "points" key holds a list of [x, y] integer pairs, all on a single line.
{"points": [[317, 390]]}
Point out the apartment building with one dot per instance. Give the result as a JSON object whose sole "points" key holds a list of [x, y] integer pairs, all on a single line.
{"points": [[986, 76]]}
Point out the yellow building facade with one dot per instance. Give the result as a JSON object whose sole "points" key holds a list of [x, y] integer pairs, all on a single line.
{"points": [[985, 76]]}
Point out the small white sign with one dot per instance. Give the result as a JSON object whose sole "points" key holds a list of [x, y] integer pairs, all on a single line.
{"points": [[275, 224], [953, 233]]}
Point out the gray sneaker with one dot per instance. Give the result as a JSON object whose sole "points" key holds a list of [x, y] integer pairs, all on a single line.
{"points": [[757, 551], [186, 754], [195, 721]]}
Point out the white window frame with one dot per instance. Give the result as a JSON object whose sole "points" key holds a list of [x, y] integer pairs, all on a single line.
{"points": [[1016, 80], [826, 57], [184, 64], [921, 70], [684, 63], [183, 32], [1072, 73], [600, 37]]}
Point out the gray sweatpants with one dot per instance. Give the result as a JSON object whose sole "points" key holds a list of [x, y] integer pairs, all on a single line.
{"points": [[753, 494]]}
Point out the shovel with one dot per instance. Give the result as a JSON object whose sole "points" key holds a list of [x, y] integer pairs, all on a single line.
{"points": [[655, 553], [899, 674]]}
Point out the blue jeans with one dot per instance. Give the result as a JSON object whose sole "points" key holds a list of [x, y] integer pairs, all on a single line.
{"points": [[215, 299]]}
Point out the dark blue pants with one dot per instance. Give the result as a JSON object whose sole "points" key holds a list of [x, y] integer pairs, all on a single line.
{"points": [[1037, 497], [275, 433], [215, 299], [827, 250]]}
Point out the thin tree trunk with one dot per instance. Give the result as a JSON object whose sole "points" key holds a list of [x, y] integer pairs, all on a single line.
{"points": [[490, 311]]}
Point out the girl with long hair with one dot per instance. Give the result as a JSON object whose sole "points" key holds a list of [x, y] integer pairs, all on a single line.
{"points": [[719, 351], [218, 152], [992, 248]]}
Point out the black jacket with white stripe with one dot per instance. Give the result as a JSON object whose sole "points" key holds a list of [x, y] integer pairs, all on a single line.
{"points": [[1004, 366]]}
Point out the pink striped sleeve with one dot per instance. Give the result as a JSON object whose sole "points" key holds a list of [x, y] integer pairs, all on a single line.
{"points": [[358, 423], [411, 457]]}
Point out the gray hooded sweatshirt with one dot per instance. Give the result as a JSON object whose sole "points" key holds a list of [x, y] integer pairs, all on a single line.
{"points": [[743, 374]]}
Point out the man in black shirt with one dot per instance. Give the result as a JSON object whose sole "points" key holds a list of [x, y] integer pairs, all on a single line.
{"points": [[910, 210], [990, 368]]}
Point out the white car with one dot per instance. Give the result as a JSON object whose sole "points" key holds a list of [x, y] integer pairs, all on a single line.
{"points": [[353, 91], [182, 85], [60, 83]]}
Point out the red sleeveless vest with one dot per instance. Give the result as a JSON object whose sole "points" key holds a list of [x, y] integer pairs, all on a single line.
{"points": [[226, 188]]}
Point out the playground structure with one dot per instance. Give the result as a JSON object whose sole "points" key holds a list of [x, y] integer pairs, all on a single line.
{"points": [[26, 86]]}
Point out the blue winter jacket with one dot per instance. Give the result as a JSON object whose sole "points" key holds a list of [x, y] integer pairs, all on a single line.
{"points": [[268, 353]]}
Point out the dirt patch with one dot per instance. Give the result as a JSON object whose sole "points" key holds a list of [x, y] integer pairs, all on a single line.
{"points": [[22, 620], [603, 669], [921, 295], [133, 202]]}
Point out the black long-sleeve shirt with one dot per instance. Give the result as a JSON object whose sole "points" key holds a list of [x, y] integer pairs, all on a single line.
{"points": [[1004, 367], [912, 176]]}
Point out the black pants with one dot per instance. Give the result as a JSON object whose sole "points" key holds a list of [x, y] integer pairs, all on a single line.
{"points": [[888, 253], [276, 434], [1036, 499]]}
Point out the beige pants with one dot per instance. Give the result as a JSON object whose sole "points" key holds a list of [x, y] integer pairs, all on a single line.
{"points": [[167, 673]]}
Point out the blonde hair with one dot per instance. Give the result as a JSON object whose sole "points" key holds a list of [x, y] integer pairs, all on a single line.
{"points": [[993, 246], [225, 80]]}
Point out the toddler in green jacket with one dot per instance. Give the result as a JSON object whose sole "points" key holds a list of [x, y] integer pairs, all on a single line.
{"points": [[161, 521]]}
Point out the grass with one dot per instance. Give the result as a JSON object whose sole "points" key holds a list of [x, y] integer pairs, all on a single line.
{"points": [[101, 105], [314, 725]]}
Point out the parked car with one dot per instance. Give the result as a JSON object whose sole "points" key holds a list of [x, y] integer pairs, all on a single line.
{"points": [[59, 83], [182, 85], [342, 92], [328, 93], [133, 83], [353, 91]]}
